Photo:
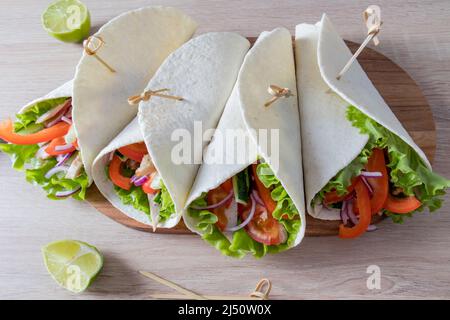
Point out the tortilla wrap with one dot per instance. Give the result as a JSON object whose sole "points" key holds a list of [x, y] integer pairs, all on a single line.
{"points": [[136, 43], [203, 72], [270, 61], [330, 142], [63, 91]]}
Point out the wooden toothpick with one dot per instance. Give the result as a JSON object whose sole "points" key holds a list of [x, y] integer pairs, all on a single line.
{"points": [[277, 92], [146, 95], [91, 46], [372, 18], [261, 292]]}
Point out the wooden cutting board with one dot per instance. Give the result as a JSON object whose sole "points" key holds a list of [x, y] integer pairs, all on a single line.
{"points": [[400, 92]]}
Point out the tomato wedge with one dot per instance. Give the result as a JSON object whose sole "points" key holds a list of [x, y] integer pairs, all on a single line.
{"points": [[333, 196], [51, 149], [263, 228], [215, 196], [402, 205], [135, 151], [380, 185], [263, 192], [147, 188], [7, 133], [365, 214], [116, 176]]}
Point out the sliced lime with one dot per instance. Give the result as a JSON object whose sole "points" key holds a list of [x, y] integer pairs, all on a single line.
{"points": [[67, 20], [72, 264]]}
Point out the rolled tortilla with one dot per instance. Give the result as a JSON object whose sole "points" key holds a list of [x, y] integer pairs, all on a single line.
{"points": [[63, 91], [330, 142], [203, 72], [270, 61], [136, 43]]}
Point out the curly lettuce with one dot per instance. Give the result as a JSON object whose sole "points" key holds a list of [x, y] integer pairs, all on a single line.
{"points": [[165, 202], [35, 169], [23, 157], [134, 197], [137, 198], [241, 243], [26, 119], [407, 170]]}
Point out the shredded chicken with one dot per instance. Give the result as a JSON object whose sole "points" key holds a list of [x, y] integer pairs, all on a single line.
{"points": [[53, 112], [75, 168], [146, 167]]}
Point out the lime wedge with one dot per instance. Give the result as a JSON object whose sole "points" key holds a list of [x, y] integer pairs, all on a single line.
{"points": [[72, 264], [67, 20]]}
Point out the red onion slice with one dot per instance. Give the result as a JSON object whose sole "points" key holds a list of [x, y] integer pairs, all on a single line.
{"points": [[140, 181], [55, 170], [343, 212], [371, 228], [63, 194], [66, 120], [257, 197], [217, 205], [64, 147], [369, 187], [371, 174], [249, 218], [41, 153], [63, 158], [56, 113], [350, 213]]}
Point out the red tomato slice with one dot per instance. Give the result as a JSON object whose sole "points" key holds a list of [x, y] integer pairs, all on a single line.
{"points": [[402, 205], [116, 176], [147, 188], [365, 214], [134, 151], [51, 149], [215, 196], [380, 185], [263, 228], [263, 192]]}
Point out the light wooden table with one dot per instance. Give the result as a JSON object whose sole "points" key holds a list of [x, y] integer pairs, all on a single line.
{"points": [[414, 258]]}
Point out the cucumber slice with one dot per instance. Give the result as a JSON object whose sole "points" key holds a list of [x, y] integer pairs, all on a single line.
{"points": [[241, 187]]}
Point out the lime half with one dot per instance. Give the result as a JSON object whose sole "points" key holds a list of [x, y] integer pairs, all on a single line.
{"points": [[72, 264], [67, 20]]}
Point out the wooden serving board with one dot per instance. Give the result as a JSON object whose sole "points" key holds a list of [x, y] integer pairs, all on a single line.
{"points": [[400, 92]]}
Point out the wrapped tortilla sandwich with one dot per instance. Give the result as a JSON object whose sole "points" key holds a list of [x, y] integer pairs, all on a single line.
{"points": [[249, 199], [138, 172], [55, 138], [358, 159]]}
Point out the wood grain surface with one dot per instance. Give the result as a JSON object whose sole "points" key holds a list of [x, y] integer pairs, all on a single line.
{"points": [[414, 258], [398, 89]]}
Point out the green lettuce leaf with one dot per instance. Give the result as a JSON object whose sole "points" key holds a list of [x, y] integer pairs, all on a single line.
{"points": [[34, 112], [407, 169], [23, 156], [241, 243], [166, 205], [19, 154], [134, 197], [57, 183], [285, 205], [23, 159]]}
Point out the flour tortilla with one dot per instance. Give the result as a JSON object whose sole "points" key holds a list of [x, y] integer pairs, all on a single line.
{"points": [[270, 61], [202, 71], [63, 91], [330, 142], [136, 43]]}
